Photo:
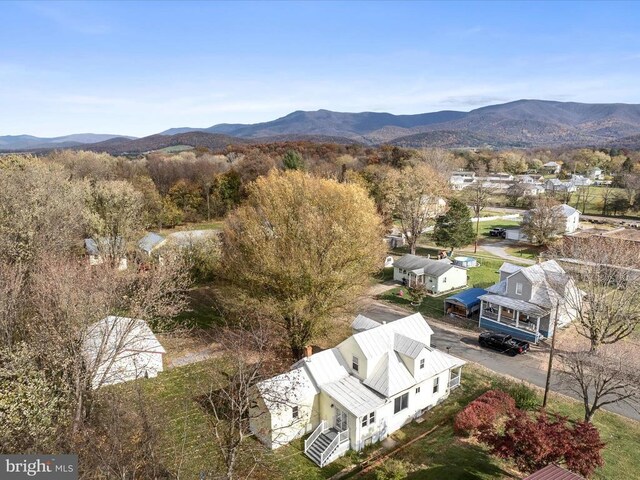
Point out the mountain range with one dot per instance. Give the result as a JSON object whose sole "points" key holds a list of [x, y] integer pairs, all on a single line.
{"points": [[519, 124]]}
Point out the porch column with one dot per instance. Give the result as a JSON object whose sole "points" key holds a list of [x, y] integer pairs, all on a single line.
{"points": [[538, 325], [499, 312], [517, 317]]}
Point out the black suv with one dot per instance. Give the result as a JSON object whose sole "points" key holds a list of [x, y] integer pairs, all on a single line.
{"points": [[498, 232]]}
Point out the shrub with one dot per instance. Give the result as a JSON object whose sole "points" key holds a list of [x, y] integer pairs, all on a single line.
{"points": [[534, 442], [392, 470], [525, 397], [474, 417], [483, 412]]}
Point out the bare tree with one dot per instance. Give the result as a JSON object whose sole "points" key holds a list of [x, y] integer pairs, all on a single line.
{"points": [[544, 222], [417, 193], [250, 359], [609, 311], [601, 378], [477, 195]]}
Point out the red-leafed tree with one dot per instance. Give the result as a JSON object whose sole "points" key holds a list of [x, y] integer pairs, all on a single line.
{"points": [[533, 443]]}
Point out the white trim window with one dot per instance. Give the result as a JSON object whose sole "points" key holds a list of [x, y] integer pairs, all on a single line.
{"points": [[518, 288], [355, 363], [417, 390], [436, 384], [401, 403], [369, 419], [295, 412], [421, 363]]}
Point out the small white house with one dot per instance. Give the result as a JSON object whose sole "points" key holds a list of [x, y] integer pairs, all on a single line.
{"points": [[436, 275], [119, 349], [357, 393]]}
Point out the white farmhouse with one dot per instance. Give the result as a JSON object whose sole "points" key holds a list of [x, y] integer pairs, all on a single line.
{"points": [[119, 349], [357, 393], [96, 251], [436, 275]]}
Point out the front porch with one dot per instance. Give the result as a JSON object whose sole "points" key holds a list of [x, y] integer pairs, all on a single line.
{"points": [[514, 317]]}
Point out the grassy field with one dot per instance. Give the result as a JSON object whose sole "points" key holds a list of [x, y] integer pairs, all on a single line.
{"points": [[188, 448], [212, 225]]}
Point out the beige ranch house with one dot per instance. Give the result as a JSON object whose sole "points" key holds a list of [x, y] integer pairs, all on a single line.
{"points": [[357, 393], [437, 276]]}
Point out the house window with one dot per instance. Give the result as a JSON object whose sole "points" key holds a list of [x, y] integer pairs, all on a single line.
{"points": [[422, 363], [518, 288], [355, 364], [369, 420], [436, 384], [444, 280], [294, 412], [401, 402], [417, 389]]}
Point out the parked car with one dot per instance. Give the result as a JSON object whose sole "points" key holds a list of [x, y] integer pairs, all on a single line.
{"points": [[498, 232], [503, 343]]}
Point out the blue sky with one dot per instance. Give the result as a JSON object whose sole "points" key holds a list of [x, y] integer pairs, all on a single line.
{"points": [[139, 68]]}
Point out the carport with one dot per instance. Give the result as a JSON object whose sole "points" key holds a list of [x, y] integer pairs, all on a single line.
{"points": [[465, 303]]}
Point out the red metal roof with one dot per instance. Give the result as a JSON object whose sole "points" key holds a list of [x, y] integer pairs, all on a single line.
{"points": [[553, 472]]}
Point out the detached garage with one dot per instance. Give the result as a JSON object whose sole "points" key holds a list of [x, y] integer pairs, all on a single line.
{"points": [[465, 303]]}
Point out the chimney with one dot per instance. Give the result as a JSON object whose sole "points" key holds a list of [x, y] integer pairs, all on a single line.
{"points": [[308, 351]]}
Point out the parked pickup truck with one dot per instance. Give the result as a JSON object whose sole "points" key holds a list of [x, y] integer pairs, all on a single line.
{"points": [[503, 343]]}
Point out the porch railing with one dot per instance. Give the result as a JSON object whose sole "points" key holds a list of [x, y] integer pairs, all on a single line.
{"points": [[454, 382], [316, 433], [522, 324], [337, 440]]}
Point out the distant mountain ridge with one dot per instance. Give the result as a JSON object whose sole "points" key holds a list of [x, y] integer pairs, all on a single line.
{"points": [[28, 142], [522, 123], [518, 124]]}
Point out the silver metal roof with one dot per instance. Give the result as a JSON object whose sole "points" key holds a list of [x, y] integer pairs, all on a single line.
{"points": [[407, 346], [390, 376], [353, 395], [150, 241], [424, 265], [287, 389], [362, 323]]}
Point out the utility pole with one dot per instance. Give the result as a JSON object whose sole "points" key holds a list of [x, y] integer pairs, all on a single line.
{"points": [[551, 353]]}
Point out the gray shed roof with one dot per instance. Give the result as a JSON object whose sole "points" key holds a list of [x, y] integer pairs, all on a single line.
{"points": [[150, 241], [93, 247], [427, 265]]}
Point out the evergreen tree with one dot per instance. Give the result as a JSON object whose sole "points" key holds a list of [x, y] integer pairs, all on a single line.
{"points": [[454, 229]]}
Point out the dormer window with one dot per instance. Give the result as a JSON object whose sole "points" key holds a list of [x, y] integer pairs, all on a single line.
{"points": [[355, 363], [518, 288], [422, 363]]}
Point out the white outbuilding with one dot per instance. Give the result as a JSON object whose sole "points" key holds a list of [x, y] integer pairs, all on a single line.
{"points": [[119, 349]]}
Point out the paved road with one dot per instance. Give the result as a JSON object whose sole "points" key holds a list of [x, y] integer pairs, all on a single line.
{"points": [[464, 344]]}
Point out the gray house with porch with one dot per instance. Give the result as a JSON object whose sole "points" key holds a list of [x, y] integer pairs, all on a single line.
{"points": [[526, 300]]}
